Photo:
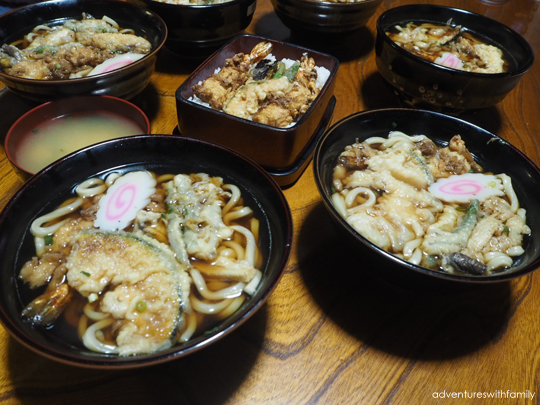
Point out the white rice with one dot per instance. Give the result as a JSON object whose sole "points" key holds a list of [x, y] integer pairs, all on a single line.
{"points": [[197, 100], [322, 76], [288, 62]]}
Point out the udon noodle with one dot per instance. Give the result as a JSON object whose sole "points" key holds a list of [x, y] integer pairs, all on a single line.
{"points": [[139, 262], [432, 206], [74, 49]]}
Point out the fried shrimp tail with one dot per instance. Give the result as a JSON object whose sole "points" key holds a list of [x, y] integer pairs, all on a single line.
{"points": [[46, 308], [220, 87]]}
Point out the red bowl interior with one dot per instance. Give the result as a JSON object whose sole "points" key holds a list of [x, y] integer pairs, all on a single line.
{"points": [[54, 109]]}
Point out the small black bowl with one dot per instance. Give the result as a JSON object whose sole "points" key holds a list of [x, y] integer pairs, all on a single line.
{"points": [[162, 154], [125, 82], [491, 152], [324, 17], [426, 84], [195, 31]]}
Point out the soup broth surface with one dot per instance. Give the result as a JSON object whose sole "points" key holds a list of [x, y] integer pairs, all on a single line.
{"points": [[135, 263], [448, 45], [433, 206], [72, 49], [60, 136]]}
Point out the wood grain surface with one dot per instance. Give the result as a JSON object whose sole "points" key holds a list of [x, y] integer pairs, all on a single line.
{"points": [[332, 332]]}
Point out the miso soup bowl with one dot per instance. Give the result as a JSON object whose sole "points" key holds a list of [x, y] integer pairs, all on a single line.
{"points": [[64, 110], [493, 153], [426, 84], [125, 82], [162, 154]]}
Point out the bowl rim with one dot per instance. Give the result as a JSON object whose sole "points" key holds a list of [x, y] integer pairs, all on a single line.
{"points": [[520, 70], [102, 361], [459, 278], [11, 154], [330, 4], [228, 3], [245, 121], [50, 3]]}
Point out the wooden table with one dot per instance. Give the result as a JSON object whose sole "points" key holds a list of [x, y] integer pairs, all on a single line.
{"points": [[330, 333]]}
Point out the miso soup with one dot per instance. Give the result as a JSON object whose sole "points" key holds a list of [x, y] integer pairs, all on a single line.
{"points": [[60, 136]]}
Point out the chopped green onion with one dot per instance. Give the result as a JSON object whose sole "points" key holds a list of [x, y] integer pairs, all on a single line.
{"points": [[420, 160], [141, 306], [48, 240], [209, 332], [85, 273], [280, 70], [292, 71]]}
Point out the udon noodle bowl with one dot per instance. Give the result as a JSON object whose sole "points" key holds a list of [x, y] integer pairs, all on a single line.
{"points": [[450, 46], [139, 262], [74, 49], [429, 205]]}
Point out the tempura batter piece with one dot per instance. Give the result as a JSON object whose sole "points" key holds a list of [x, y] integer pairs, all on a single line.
{"points": [[288, 107], [119, 43], [144, 286], [220, 87], [249, 98], [38, 271], [195, 225]]}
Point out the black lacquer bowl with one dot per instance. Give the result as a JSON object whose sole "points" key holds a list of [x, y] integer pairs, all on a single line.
{"points": [[323, 17], [162, 154], [426, 84], [195, 31], [491, 152], [275, 149], [125, 82]]}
